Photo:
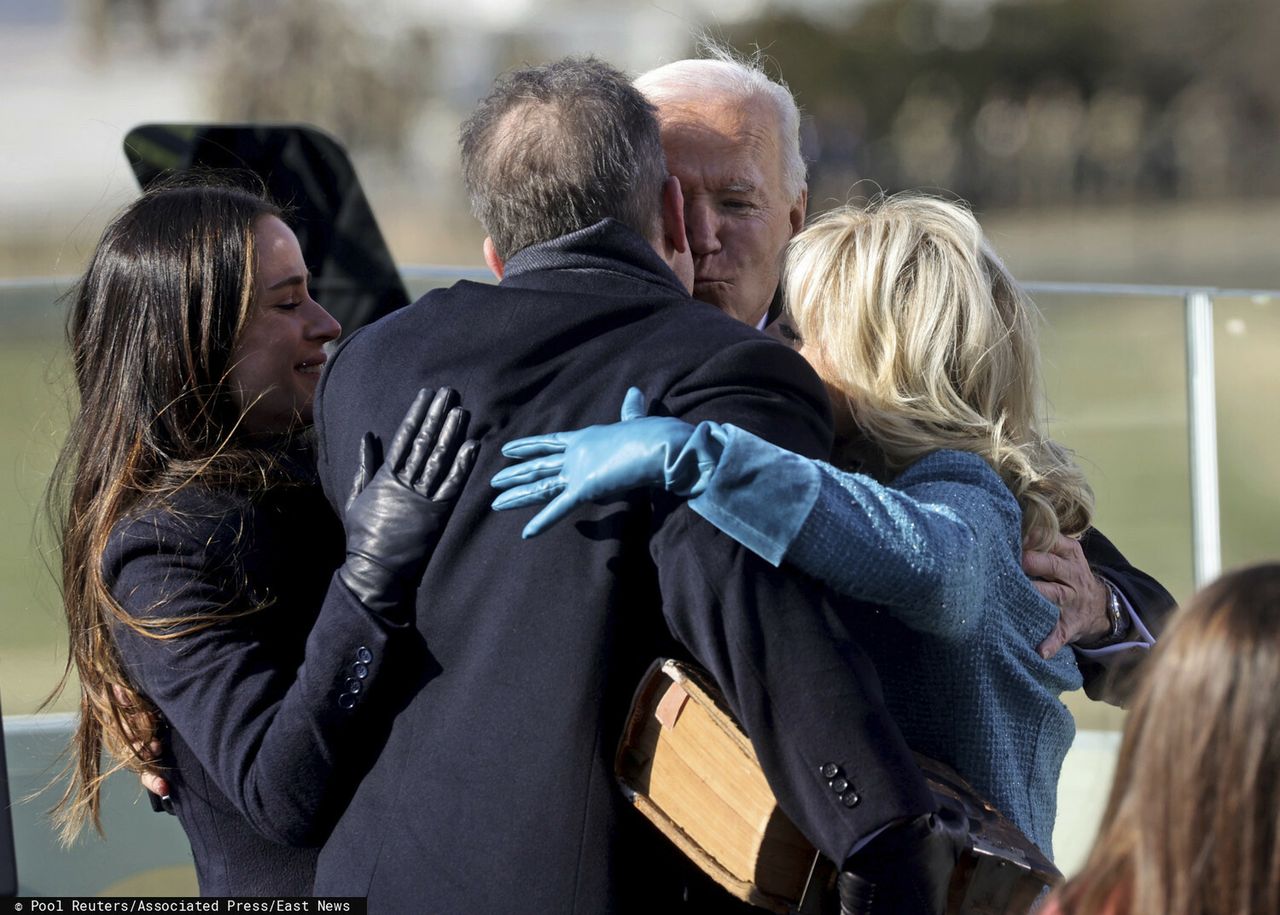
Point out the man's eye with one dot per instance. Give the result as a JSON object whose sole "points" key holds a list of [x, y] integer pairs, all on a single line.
{"points": [[789, 334]]}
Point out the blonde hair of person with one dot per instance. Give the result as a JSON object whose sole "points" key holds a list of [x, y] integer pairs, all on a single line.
{"points": [[919, 326], [1191, 824]]}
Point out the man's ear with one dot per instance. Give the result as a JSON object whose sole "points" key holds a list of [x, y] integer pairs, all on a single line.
{"points": [[798, 210], [492, 260], [673, 244], [673, 215]]}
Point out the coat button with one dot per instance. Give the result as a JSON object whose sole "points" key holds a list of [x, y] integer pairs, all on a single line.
{"points": [[353, 685], [364, 655], [839, 784], [850, 798], [360, 670], [830, 770], [347, 701]]}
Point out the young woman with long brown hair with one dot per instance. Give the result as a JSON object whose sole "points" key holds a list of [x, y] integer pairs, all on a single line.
{"points": [[1192, 826], [197, 547]]}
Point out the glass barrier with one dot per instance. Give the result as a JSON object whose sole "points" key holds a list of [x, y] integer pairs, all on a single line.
{"points": [[1246, 344], [1115, 376]]}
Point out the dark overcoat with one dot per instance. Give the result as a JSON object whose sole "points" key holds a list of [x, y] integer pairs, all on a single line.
{"points": [[495, 790], [263, 640]]}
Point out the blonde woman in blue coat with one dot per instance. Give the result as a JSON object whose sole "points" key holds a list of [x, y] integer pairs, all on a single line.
{"points": [[942, 471]]}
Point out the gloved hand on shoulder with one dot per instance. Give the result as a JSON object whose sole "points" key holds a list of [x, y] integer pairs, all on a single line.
{"points": [[600, 463]]}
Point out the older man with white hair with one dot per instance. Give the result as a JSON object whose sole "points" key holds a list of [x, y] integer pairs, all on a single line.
{"points": [[732, 137]]}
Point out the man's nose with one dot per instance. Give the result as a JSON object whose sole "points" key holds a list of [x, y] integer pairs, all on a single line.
{"points": [[703, 228]]}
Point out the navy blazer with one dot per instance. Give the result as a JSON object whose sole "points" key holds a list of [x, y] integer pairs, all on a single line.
{"points": [[495, 791], [262, 747]]}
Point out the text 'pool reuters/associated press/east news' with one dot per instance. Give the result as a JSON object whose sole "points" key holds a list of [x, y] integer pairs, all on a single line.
{"points": [[176, 905]]}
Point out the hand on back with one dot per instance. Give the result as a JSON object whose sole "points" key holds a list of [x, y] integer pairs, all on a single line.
{"points": [[398, 510], [600, 463]]}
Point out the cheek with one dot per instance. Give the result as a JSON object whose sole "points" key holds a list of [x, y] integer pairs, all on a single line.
{"points": [[270, 340], [845, 425], [250, 372], [817, 361], [262, 360], [760, 245], [810, 354], [752, 240]]}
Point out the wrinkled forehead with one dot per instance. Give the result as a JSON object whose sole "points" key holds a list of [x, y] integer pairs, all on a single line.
{"points": [[718, 132]]}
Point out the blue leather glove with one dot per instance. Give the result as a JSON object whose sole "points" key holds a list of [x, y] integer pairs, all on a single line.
{"points": [[600, 463]]}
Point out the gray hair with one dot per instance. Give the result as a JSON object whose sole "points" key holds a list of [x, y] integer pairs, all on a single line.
{"points": [[556, 148], [724, 73]]}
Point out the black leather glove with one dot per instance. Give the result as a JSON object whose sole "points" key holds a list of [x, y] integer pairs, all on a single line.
{"points": [[907, 869], [394, 519]]}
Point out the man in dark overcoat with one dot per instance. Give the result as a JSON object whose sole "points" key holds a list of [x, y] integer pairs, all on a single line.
{"points": [[495, 791]]}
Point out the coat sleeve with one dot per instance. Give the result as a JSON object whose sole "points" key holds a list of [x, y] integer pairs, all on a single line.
{"points": [[922, 548], [280, 740], [793, 675], [1109, 675]]}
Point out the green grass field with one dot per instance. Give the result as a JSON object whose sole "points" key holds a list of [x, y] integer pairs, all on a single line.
{"points": [[32, 420], [1115, 373]]}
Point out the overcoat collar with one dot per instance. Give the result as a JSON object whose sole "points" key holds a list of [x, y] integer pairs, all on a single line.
{"points": [[607, 245]]}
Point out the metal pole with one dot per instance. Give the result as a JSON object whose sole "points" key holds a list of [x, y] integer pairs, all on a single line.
{"points": [[1206, 542]]}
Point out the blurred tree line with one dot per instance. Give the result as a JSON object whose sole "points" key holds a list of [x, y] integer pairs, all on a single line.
{"points": [[1004, 102], [331, 63], [1035, 101]]}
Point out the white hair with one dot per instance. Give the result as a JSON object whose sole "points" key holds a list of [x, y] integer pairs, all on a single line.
{"points": [[725, 74]]}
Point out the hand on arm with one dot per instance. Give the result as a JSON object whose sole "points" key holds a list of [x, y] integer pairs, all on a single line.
{"points": [[1108, 671], [599, 463], [1063, 576]]}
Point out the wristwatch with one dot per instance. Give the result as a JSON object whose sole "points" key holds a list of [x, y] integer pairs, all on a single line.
{"points": [[1115, 614]]}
